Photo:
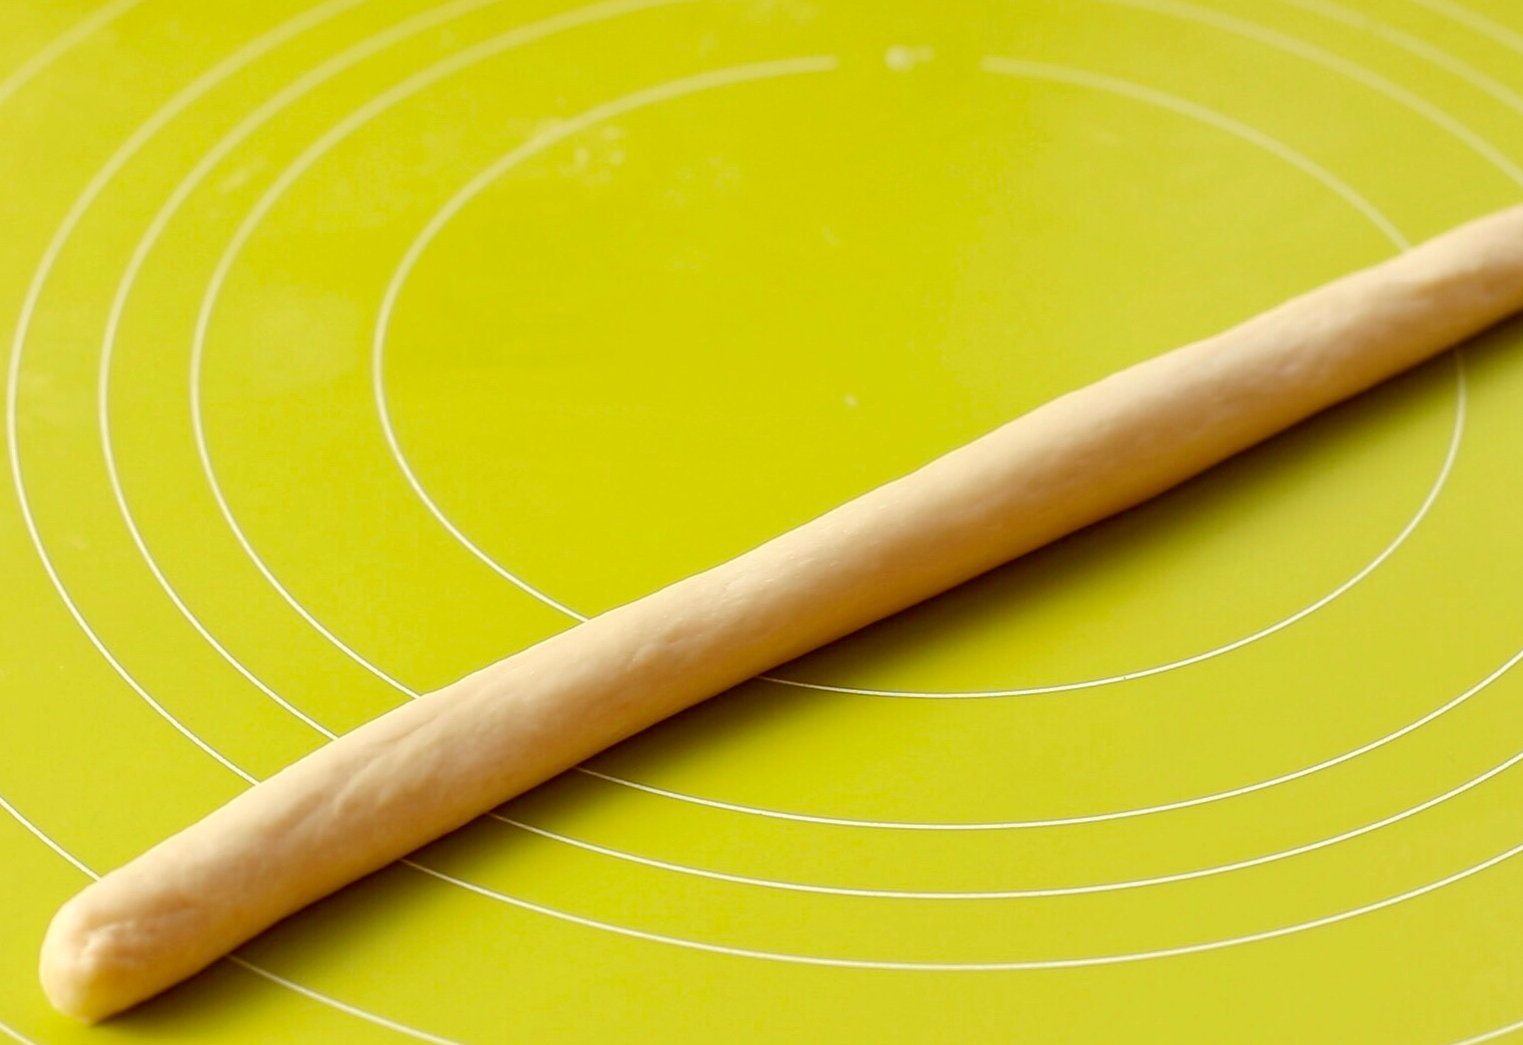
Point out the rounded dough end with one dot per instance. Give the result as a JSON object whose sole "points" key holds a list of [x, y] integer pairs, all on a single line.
{"points": [[80, 974]]}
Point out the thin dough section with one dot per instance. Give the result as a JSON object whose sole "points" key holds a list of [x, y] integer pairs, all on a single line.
{"points": [[424, 769]]}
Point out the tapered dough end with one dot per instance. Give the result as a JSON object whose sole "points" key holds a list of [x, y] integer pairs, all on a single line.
{"points": [[87, 968]]}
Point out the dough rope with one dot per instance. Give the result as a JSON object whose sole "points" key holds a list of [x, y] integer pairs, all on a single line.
{"points": [[423, 769]]}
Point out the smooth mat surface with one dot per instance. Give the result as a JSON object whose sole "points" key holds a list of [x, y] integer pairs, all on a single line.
{"points": [[352, 346]]}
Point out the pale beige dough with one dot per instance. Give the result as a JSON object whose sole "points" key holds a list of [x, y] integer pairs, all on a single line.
{"points": [[429, 766]]}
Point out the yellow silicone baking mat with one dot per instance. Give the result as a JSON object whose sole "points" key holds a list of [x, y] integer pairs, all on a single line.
{"points": [[351, 346]]}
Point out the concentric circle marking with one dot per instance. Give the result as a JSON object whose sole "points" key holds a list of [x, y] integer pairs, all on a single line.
{"points": [[1007, 67], [182, 100], [639, 99], [706, 80], [161, 118], [1020, 894], [1493, 1035], [297, 89], [1067, 821], [913, 966], [425, 1036], [431, 229], [1003, 966], [501, 896], [814, 960], [235, 959], [494, 46], [572, 19], [1414, 45], [1472, 19], [1328, 60], [12, 1032], [64, 42]]}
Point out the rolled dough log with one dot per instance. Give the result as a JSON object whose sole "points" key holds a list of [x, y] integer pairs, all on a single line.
{"points": [[429, 766]]}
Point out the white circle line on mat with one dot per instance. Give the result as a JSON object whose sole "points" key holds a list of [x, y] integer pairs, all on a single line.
{"points": [[1066, 821], [1190, 13], [1492, 1035], [1080, 887], [867, 963], [571, 19], [12, 1032], [65, 41], [998, 966], [1281, 41], [1404, 40], [406, 88], [1473, 20], [424, 1035], [565, 130], [914, 966], [16, 814], [439, 1039], [558, 132], [1020, 894], [1389, 901], [701, 81], [206, 81], [281, 100], [1335, 63], [1012, 67], [1478, 1039], [308, 992], [197, 423], [160, 118], [178, 103], [1345, 67], [1015, 68]]}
